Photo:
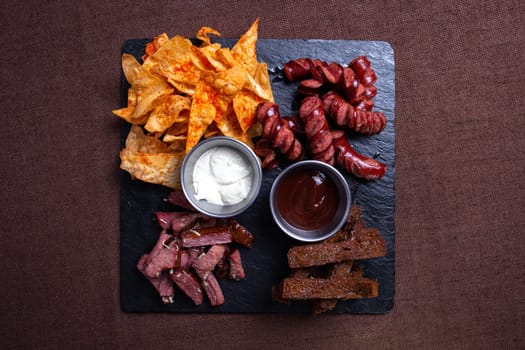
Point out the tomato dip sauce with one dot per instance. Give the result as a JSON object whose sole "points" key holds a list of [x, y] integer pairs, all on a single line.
{"points": [[307, 199]]}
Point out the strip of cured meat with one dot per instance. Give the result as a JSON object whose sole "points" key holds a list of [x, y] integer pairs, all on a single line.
{"points": [[161, 283], [185, 222], [213, 290], [189, 255], [179, 199], [188, 284], [165, 219], [165, 255], [192, 250], [204, 266], [236, 269], [206, 236], [240, 234], [206, 263], [222, 269]]}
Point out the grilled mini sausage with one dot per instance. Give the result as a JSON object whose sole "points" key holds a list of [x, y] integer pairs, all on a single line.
{"points": [[277, 134], [355, 82], [343, 114], [354, 162], [316, 129]]}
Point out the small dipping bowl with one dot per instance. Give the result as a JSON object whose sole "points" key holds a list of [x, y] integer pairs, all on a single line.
{"points": [[216, 210], [310, 200]]}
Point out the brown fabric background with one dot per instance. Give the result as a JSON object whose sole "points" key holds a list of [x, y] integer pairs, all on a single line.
{"points": [[460, 221]]}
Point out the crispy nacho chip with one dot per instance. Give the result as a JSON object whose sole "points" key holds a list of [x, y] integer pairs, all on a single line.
{"points": [[228, 82], [212, 130], [227, 123], [150, 160], [182, 93], [206, 58], [176, 143], [126, 112], [137, 141], [146, 88], [130, 67], [244, 51], [260, 84], [202, 34], [262, 77], [205, 106], [224, 55], [179, 128], [176, 136], [245, 106], [246, 101], [154, 45], [158, 168], [174, 61], [171, 109]]}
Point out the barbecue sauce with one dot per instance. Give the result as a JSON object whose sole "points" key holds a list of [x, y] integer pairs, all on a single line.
{"points": [[307, 199]]}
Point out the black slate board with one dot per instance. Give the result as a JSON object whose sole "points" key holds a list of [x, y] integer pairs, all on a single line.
{"points": [[265, 263]]}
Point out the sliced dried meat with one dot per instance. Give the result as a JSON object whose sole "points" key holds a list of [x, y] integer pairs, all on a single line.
{"points": [[222, 269], [162, 283], [240, 234], [186, 222], [188, 256], [206, 236], [213, 290], [164, 256], [165, 219], [206, 223], [179, 199], [189, 284], [205, 264], [236, 268]]}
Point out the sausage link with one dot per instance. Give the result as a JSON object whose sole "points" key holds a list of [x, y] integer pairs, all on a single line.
{"points": [[277, 134], [355, 82], [298, 69], [354, 162], [316, 129], [367, 77], [267, 154], [343, 114], [362, 67]]}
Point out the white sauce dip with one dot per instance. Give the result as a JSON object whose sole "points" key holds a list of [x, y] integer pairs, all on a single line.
{"points": [[222, 176]]}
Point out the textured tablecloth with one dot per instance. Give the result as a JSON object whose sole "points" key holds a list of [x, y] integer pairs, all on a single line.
{"points": [[460, 193]]}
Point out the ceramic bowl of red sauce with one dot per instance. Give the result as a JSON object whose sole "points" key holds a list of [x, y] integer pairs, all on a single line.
{"points": [[310, 200]]}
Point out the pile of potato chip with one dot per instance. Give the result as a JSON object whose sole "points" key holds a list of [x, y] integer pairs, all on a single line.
{"points": [[182, 93]]}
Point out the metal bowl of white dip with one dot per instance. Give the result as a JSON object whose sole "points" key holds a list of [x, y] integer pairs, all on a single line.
{"points": [[221, 176]]}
